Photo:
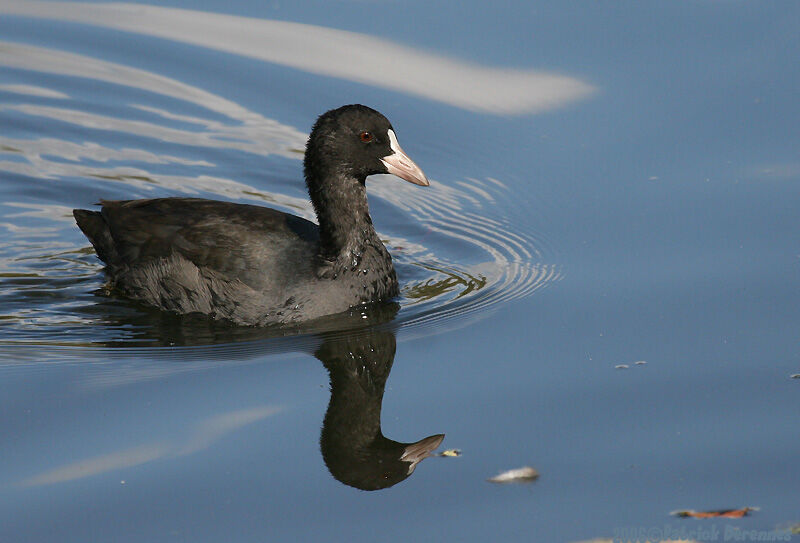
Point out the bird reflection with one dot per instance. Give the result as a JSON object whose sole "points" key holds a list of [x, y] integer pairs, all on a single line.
{"points": [[356, 347], [352, 443]]}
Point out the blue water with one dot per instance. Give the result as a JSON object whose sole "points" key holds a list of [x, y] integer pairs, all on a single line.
{"points": [[611, 184]]}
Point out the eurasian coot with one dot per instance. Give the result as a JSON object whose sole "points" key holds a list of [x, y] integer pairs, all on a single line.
{"points": [[352, 442], [254, 265]]}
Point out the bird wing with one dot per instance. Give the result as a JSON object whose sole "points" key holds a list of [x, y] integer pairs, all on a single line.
{"points": [[236, 240]]}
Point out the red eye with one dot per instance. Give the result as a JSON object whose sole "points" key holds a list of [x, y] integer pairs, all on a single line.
{"points": [[366, 137]]}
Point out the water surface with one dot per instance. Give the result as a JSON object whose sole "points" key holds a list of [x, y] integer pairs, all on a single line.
{"points": [[611, 184]]}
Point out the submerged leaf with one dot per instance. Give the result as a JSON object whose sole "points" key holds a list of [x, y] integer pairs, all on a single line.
{"points": [[721, 513]]}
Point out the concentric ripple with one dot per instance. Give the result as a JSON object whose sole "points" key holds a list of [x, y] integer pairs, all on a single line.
{"points": [[461, 247], [496, 261]]}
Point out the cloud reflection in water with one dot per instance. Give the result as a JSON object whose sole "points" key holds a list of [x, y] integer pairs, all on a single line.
{"points": [[204, 434], [326, 51]]}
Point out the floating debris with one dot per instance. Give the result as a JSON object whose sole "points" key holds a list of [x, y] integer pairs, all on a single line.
{"points": [[721, 513], [792, 527], [450, 452], [525, 474], [626, 366]]}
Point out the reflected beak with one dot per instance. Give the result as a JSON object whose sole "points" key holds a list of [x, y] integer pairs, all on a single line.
{"points": [[400, 165], [422, 449]]}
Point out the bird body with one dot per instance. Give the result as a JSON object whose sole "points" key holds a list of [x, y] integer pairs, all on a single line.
{"points": [[254, 265]]}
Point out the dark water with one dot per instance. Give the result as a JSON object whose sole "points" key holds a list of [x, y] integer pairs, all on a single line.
{"points": [[611, 184]]}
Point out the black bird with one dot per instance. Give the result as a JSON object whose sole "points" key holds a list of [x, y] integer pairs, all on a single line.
{"points": [[352, 443], [254, 265]]}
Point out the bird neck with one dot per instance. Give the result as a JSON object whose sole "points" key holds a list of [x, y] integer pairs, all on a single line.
{"points": [[358, 368], [345, 226]]}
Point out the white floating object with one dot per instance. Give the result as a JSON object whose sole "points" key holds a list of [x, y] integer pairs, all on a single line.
{"points": [[450, 452], [520, 475]]}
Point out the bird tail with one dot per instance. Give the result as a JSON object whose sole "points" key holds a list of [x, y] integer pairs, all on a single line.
{"points": [[95, 228]]}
